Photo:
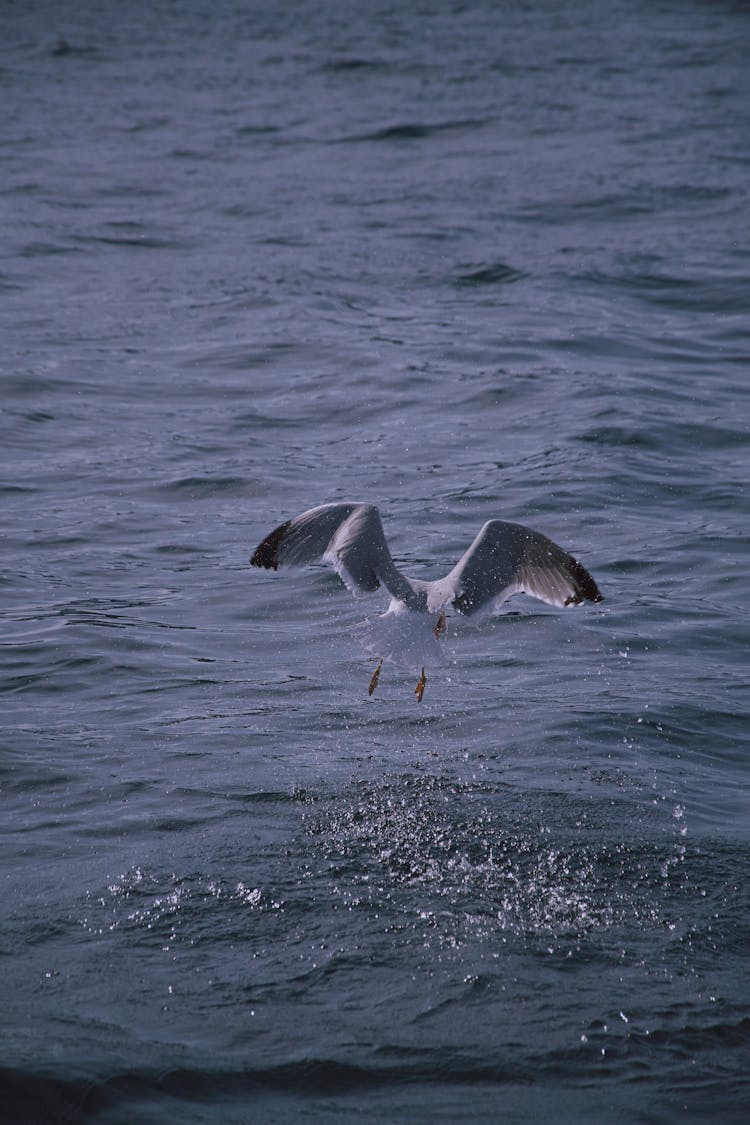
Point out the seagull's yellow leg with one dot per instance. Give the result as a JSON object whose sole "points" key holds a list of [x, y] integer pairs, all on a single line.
{"points": [[441, 626], [375, 678], [419, 689]]}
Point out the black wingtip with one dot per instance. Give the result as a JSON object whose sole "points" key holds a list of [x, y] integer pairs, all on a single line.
{"points": [[267, 553], [586, 588]]}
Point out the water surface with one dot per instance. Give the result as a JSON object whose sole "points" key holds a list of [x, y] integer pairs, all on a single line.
{"points": [[463, 262]]}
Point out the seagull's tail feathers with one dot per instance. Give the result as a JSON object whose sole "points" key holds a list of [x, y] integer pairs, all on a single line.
{"points": [[404, 637]]}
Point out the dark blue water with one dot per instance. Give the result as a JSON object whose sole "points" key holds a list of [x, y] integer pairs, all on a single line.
{"points": [[462, 261]]}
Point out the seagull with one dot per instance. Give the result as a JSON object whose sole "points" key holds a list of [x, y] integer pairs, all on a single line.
{"points": [[504, 559]]}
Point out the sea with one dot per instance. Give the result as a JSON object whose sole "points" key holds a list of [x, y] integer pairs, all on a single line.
{"points": [[463, 260]]}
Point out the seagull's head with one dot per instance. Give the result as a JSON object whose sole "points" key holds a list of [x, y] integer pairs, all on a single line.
{"points": [[415, 600], [419, 602]]}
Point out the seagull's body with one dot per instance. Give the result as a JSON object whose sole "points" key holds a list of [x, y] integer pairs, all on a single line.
{"points": [[504, 559]]}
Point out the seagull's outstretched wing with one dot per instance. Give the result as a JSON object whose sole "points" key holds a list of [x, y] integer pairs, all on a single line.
{"points": [[350, 536], [505, 559]]}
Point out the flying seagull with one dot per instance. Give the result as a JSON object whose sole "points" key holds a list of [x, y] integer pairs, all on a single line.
{"points": [[504, 559]]}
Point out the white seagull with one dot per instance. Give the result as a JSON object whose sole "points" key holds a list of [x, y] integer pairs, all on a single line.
{"points": [[504, 559]]}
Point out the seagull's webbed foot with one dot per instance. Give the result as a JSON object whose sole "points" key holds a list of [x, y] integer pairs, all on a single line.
{"points": [[442, 625], [419, 689], [375, 678]]}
